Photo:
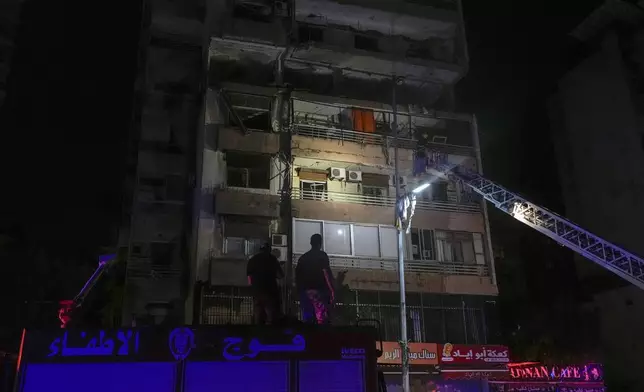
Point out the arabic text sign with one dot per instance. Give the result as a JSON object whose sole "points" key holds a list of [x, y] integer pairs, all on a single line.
{"points": [[235, 348], [474, 354], [419, 354], [122, 342]]}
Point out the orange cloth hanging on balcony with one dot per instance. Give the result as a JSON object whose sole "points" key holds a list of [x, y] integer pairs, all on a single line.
{"points": [[363, 120], [368, 121], [357, 119]]}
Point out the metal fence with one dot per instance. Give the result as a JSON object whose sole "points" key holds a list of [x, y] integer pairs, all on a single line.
{"points": [[382, 201], [431, 317], [411, 266]]}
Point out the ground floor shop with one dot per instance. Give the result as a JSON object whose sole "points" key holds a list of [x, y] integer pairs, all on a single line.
{"points": [[444, 367]]}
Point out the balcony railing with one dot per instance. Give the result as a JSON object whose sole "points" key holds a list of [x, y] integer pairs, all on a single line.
{"points": [[328, 131], [414, 266], [383, 201]]}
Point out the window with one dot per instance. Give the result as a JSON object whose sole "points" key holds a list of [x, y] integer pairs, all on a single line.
{"points": [[366, 43], [337, 238], [374, 191], [310, 34], [423, 244], [366, 241], [243, 236], [347, 239], [389, 242], [248, 170], [168, 188], [455, 247], [311, 190], [302, 232]]}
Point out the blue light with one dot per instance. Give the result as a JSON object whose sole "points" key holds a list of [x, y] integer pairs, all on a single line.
{"points": [[332, 376], [236, 376], [100, 377]]}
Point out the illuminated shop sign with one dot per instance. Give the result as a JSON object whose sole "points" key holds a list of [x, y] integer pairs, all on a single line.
{"points": [[419, 354], [585, 373], [472, 354]]}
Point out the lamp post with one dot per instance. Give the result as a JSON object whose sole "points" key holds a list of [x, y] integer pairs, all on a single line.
{"points": [[404, 347]]}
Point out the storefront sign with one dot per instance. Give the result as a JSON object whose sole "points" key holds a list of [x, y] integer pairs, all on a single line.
{"points": [[419, 354], [586, 373], [471, 354]]}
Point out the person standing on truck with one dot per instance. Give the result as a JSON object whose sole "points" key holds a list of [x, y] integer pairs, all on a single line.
{"points": [[314, 282], [263, 271]]}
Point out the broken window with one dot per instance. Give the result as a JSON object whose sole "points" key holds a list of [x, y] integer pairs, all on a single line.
{"points": [[455, 247], [243, 236], [310, 34], [159, 189], [423, 244], [311, 190], [245, 170], [366, 43]]}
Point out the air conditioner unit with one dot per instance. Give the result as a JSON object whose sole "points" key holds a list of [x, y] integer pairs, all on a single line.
{"points": [[280, 252], [279, 240], [337, 173], [354, 176], [427, 254], [439, 139]]}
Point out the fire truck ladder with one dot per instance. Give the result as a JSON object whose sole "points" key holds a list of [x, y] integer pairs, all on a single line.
{"points": [[613, 258]]}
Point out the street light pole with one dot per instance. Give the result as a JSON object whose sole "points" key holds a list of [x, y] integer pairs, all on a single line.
{"points": [[401, 256]]}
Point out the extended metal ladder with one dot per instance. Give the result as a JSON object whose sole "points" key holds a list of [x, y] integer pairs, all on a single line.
{"points": [[613, 258]]}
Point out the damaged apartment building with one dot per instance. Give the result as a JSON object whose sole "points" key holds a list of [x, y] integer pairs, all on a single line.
{"points": [[295, 136]]}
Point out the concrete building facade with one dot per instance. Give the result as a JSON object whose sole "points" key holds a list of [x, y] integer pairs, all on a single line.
{"points": [[296, 136], [598, 121]]}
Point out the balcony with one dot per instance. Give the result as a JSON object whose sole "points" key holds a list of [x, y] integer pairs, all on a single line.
{"points": [[411, 266], [383, 201], [348, 122], [246, 201]]}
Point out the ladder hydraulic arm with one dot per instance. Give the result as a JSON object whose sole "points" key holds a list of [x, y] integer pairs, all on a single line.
{"points": [[67, 307], [613, 258]]}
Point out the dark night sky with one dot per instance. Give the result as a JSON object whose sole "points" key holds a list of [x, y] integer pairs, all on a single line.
{"points": [[66, 117], [69, 109]]}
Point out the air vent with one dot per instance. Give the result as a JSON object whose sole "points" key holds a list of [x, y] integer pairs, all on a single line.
{"points": [[354, 176]]}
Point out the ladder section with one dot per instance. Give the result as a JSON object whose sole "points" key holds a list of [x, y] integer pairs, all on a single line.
{"points": [[613, 258]]}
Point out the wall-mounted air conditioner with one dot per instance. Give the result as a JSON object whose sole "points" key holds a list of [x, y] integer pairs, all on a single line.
{"points": [[337, 173], [354, 176], [280, 252], [279, 240], [414, 249]]}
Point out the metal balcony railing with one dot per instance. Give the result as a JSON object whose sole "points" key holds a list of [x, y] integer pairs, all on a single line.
{"points": [[413, 266], [384, 201], [328, 131]]}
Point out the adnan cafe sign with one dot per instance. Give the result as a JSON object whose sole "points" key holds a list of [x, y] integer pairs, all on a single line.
{"points": [[538, 372]]}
